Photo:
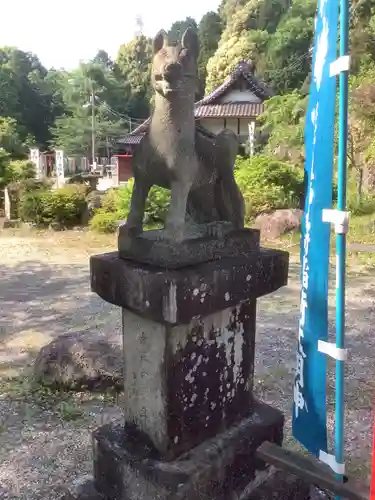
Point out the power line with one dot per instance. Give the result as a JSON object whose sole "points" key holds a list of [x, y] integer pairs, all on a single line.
{"points": [[120, 115], [292, 66]]}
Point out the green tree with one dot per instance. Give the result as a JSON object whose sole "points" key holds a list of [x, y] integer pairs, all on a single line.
{"points": [[133, 66], [362, 33], [4, 162], [361, 144], [72, 131], [275, 35], [287, 60], [209, 33], [228, 8], [242, 40], [10, 138], [247, 46], [25, 94], [102, 58], [178, 28], [283, 121]]}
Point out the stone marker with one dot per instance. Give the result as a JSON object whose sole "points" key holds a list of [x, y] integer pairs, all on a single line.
{"points": [[188, 296]]}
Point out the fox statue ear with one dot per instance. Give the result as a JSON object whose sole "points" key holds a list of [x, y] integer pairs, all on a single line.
{"points": [[159, 41], [190, 42]]}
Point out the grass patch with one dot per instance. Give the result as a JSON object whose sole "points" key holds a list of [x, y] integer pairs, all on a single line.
{"points": [[361, 231], [66, 405]]}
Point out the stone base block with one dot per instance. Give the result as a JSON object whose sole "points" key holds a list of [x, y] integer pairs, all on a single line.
{"points": [[276, 485], [222, 468], [202, 244]]}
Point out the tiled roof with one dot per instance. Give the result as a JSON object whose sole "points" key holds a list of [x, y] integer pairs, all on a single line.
{"points": [[131, 139], [230, 110], [142, 128], [243, 69]]}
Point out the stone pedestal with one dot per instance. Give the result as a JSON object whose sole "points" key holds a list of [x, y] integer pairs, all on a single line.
{"points": [[217, 469], [191, 422]]}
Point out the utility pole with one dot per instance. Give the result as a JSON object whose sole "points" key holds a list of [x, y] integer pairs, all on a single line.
{"points": [[93, 132]]}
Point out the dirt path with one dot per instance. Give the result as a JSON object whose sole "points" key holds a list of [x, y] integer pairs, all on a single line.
{"points": [[44, 292]]}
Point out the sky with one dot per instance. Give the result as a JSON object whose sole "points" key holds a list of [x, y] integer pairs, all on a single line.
{"points": [[61, 33]]}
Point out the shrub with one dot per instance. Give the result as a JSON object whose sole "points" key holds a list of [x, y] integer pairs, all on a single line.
{"points": [[19, 170], [104, 222], [110, 200], [268, 185], [18, 188], [156, 208], [4, 162], [116, 206], [65, 205], [365, 206], [31, 207]]}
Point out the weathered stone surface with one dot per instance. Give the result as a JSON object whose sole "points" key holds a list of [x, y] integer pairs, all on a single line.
{"points": [[221, 468], [81, 360], [83, 489], [201, 244], [279, 222], [177, 296], [186, 383], [198, 170], [273, 484], [281, 486]]}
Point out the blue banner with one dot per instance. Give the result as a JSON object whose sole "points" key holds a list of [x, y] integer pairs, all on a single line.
{"points": [[309, 409]]}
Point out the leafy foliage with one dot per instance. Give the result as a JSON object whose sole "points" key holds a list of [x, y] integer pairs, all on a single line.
{"points": [[11, 138], [287, 60], [361, 144], [26, 94], [240, 41], [116, 205], [4, 162], [178, 28], [91, 84], [209, 33], [268, 184], [16, 189], [53, 108], [20, 170], [133, 65], [283, 121], [65, 206], [104, 222]]}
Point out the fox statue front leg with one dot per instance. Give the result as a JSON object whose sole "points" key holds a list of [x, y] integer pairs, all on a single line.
{"points": [[134, 222]]}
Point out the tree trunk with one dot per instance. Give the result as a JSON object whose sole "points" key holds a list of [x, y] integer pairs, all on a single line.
{"points": [[359, 184]]}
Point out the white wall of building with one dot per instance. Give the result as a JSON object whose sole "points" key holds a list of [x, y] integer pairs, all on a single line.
{"points": [[232, 124], [216, 125], [239, 96]]}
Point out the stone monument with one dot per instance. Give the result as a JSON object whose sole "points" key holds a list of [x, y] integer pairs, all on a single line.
{"points": [[188, 296]]}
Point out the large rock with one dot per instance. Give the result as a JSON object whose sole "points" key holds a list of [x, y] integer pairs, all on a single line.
{"points": [[279, 222], [81, 361]]}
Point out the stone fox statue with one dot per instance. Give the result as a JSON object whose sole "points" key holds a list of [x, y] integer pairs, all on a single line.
{"points": [[174, 154]]}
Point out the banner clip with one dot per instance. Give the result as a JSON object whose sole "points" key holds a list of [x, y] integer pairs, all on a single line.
{"points": [[331, 350], [330, 460], [339, 218], [341, 64]]}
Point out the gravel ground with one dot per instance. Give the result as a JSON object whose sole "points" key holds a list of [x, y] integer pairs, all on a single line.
{"points": [[44, 292]]}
